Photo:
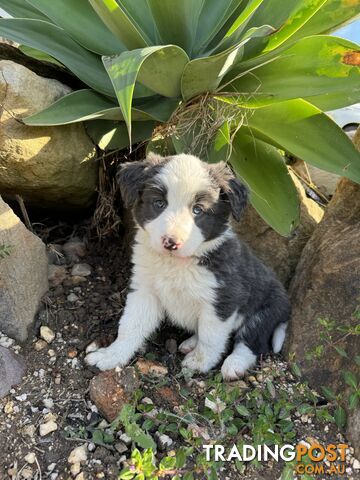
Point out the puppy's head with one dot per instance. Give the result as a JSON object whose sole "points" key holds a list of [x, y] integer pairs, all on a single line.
{"points": [[180, 201]]}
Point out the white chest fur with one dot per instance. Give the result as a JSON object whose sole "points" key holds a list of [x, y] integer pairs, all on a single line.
{"points": [[182, 286]]}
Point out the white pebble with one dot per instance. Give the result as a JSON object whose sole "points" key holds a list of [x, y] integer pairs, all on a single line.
{"points": [[79, 454], [48, 427], [30, 458], [48, 403], [75, 469], [356, 464], [47, 334]]}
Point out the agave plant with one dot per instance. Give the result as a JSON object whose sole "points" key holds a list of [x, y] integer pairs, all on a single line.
{"points": [[236, 80]]}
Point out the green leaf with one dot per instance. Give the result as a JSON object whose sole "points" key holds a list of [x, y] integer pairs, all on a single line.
{"points": [[296, 369], [38, 55], [126, 474], [140, 437], [240, 23], [299, 16], [357, 360], [140, 15], [315, 67], [118, 22], [330, 17], [242, 410], [158, 68], [354, 400], [328, 393], [272, 191], [83, 105], [176, 22], [21, 9], [97, 436], [350, 379], [340, 350], [220, 149], [54, 41], [205, 74], [213, 17], [340, 417], [167, 463], [114, 135], [304, 131], [81, 22]]}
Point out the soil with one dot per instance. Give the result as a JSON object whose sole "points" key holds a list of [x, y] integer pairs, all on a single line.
{"points": [[57, 379]]}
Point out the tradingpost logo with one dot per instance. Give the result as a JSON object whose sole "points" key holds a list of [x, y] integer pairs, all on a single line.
{"points": [[310, 460]]}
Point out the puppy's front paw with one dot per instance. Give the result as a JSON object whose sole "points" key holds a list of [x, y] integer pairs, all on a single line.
{"points": [[104, 359], [197, 360], [232, 369]]}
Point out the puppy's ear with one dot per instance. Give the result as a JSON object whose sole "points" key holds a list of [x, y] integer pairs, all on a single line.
{"points": [[235, 191], [131, 177], [238, 195]]}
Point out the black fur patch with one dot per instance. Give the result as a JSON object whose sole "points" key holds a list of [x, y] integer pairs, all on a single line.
{"points": [[248, 287]]}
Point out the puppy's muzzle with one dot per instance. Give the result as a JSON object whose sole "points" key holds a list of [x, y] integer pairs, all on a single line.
{"points": [[169, 243]]}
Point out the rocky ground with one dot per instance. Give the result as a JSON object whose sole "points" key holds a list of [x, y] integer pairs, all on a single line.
{"points": [[62, 422]]}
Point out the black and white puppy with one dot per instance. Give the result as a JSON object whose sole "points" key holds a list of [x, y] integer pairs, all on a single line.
{"points": [[190, 267]]}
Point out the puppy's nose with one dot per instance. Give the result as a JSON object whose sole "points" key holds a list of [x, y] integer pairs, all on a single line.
{"points": [[170, 243]]}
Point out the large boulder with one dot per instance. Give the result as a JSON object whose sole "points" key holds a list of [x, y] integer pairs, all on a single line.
{"points": [[280, 253], [326, 286], [48, 166], [23, 274]]}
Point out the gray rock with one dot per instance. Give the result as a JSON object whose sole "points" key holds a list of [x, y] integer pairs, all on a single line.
{"points": [[23, 275], [12, 369], [81, 270], [74, 249]]}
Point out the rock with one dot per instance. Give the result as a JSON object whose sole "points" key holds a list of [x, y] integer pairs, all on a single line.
{"points": [[325, 181], [30, 458], [75, 469], [326, 285], [81, 476], [56, 275], [47, 427], [72, 298], [27, 473], [121, 447], [74, 249], [111, 390], [23, 277], [356, 464], [40, 345], [48, 166], [150, 367], [164, 441], [280, 253], [78, 455], [125, 438], [47, 334], [81, 270], [171, 345], [12, 369]]}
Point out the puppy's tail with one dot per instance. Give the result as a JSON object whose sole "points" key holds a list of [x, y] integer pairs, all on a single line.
{"points": [[279, 337]]}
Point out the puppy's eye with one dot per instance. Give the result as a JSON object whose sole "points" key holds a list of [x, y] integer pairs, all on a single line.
{"points": [[197, 210], [159, 204]]}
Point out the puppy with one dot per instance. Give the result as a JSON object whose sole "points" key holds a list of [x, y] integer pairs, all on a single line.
{"points": [[189, 266]]}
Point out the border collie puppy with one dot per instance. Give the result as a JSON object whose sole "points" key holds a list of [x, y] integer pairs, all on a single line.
{"points": [[190, 267]]}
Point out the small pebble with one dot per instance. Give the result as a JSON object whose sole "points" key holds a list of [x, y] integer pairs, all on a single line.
{"points": [[78, 455], [47, 334], [30, 458], [48, 403], [48, 427], [171, 345], [72, 298], [127, 440], [81, 270], [40, 345], [356, 464], [27, 473], [121, 447], [75, 469]]}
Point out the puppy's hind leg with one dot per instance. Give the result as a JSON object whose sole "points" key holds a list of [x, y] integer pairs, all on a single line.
{"points": [[188, 345], [142, 315]]}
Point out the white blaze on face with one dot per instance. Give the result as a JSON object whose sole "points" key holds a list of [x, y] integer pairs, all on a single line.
{"points": [[184, 176]]}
